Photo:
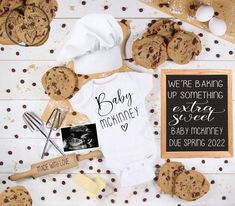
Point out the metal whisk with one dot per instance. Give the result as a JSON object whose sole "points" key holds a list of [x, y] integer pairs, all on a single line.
{"points": [[54, 121], [34, 123]]}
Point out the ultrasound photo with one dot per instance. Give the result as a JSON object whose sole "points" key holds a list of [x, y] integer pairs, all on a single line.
{"points": [[79, 137]]}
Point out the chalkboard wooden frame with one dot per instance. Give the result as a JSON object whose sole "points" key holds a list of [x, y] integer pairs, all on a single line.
{"points": [[191, 154]]}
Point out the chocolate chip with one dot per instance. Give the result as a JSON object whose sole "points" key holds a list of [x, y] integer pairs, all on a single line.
{"points": [[164, 5]]}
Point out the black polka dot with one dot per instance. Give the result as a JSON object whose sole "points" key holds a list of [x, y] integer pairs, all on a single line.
{"points": [[8, 109], [157, 195], [220, 169], [100, 160], [68, 197], [115, 189], [24, 70], [63, 182], [155, 75], [146, 190], [100, 196], [25, 126], [106, 7], [87, 197], [13, 70], [10, 152], [193, 168], [34, 84], [108, 171], [16, 136], [44, 180], [1, 163], [112, 201], [91, 159], [28, 148], [22, 81], [144, 199], [179, 23], [81, 171], [24, 106], [17, 53], [223, 198], [217, 55], [208, 49], [203, 161], [69, 175], [113, 180], [151, 110], [156, 132], [4, 182], [98, 170], [54, 191], [2, 48], [123, 8], [126, 201], [90, 168], [51, 51], [200, 34], [212, 182], [73, 190], [141, 9], [225, 161], [21, 161], [168, 160], [42, 198], [216, 13], [8, 90], [83, 3], [63, 25], [54, 179], [231, 52], [216, 41], [135, 192]]}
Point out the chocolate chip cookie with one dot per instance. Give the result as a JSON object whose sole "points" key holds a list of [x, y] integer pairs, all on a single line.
{"points": [[149, 52], [17, 195], [60, 83], [167, 175], [35, 27], [8, 5], [12, 26], [191, 185], [48, 6], [164, 27], [184, 47]]}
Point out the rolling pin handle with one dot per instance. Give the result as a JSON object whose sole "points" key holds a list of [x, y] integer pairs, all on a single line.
{"points": [[96, 153], [21, 175]]}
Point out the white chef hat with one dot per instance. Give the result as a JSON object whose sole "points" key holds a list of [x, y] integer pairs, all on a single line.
{"points": [[94, 44]]}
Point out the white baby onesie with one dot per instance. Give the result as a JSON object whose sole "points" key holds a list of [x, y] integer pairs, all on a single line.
{"points": [[117, 105]]}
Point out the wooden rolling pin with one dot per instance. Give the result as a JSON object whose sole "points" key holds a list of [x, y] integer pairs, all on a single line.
{"points": [[55, 165]]}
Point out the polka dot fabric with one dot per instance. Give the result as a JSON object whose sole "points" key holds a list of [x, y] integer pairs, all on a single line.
{"points": [[21, 90]]}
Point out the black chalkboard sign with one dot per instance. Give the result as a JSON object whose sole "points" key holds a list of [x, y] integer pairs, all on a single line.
{"points": [[196, 113]]}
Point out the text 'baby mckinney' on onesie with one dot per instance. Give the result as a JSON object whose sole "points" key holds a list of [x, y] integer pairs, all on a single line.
{"points": [[106, 106]]}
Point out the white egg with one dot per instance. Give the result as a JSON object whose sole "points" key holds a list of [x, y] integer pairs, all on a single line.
{"points": [[217, 26], [204, 13]]}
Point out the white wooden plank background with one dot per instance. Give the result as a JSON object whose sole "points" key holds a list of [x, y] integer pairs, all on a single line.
{"points": [[19, 147]]}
